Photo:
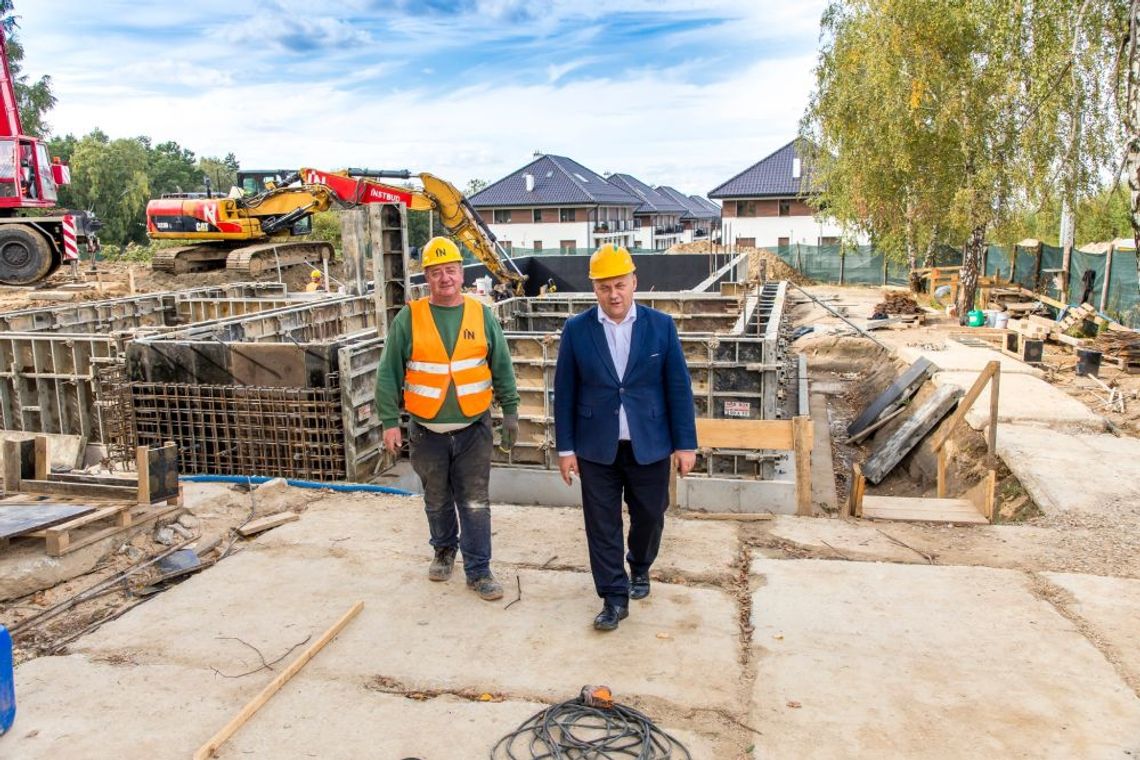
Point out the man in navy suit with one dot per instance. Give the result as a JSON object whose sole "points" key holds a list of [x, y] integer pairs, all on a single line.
{"points": [[623, 405]]}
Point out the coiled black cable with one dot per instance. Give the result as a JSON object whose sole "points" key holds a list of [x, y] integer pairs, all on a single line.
{"points": [[572, 730]]}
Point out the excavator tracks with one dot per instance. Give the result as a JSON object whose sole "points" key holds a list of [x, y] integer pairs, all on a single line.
{"points": [[248, 260], [252, 260]]}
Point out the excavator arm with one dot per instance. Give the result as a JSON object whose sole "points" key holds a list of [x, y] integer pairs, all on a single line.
{"points": [[464, 223]]}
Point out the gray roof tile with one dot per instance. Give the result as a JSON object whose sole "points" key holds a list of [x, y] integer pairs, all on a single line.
{"points": [[693, 209], [714, 208], [558, 181], [771, 176], [652, 202]]}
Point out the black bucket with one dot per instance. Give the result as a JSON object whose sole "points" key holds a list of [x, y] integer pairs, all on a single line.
{"points": [[1088, 362]]}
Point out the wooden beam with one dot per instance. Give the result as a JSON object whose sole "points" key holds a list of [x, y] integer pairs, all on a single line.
{"points": [[81, 490], [947, 430], [43, 459], [916, 427], [991, 433], [858, 486], [208, 749], [263, 524], [802, 442], [745, 434], [983, 495]]}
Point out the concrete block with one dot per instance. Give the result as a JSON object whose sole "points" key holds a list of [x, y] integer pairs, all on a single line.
{"points": [[1026, 399]]}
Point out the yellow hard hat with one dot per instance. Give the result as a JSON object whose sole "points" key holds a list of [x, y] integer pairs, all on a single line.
{"points": [[316, 274], [440, 250], [610, 261]]}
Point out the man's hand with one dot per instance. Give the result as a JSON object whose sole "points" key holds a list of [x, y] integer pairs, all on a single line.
{"points": [[393, 439], [509, 435], [684, 461], [568, 466]]}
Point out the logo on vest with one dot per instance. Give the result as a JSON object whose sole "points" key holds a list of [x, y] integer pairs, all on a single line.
{"points": [[469, 335]]}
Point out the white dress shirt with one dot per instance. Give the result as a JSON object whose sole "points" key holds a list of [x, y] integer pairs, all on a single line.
{"points": [[619, 337]]}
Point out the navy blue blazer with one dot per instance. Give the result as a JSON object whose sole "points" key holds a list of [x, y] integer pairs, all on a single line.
{"points": [[656, 390]]}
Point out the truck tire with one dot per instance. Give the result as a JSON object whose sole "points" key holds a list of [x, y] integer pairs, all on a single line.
{"points": [[25, 257]]}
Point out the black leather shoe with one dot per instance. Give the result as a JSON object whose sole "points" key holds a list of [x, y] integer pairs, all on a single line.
{"points": [[639, 586], [610, 616]]}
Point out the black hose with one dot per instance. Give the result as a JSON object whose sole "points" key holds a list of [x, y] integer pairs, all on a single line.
{"points": [[574, 731]]}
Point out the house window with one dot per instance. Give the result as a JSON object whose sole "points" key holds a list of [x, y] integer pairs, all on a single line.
{"points": [[506, 246], [783, 242], [785, 207], [829, 241], [502, 216], [743, 242], [746, 208], [566, 215], [568, 246], [538, 215], [537, 246]]}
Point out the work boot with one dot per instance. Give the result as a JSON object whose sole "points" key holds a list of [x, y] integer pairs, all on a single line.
{"points": [[441, 564], [486, 587], [639, 586], [611, 614]]}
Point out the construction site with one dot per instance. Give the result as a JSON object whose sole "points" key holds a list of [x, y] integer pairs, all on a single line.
{"points": [[902, 537]]}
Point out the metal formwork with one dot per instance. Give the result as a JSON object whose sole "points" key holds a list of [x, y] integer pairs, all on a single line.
{"points": [[294, 382], [47, 356], [741, 373]]}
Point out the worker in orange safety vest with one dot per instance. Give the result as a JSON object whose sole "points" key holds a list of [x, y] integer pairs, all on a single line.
{"points": [[446, 355]]}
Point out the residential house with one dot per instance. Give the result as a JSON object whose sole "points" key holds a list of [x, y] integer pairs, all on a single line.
{"points": [[556, 203], [699, 218], [766, 204], [657, 221]]}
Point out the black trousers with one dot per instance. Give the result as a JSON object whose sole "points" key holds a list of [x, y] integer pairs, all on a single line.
{"points": [[645, 488]]}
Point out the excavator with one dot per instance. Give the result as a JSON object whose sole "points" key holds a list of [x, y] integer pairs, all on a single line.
{"points": [[33, 246], [253, 233]]}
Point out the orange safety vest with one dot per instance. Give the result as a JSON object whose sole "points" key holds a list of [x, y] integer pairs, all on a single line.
{"points": [[430, 370]]}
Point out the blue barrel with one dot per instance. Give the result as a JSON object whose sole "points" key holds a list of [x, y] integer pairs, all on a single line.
{"points": [[7, 683]]}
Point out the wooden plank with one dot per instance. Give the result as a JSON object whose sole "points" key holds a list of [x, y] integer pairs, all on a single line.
{"points": [[208, 749], [263, 524], [858, 487], [991, 433], [802, 442], [43, 461], [745, 434], [82, 490], [21, 519], [943, 461], [732, 516], [911, 432], [19, 464], [822, 466], [991, 369], [144, 516], [908, 509], [142, 467], [982, 495], [872, 428], [900, 390]]}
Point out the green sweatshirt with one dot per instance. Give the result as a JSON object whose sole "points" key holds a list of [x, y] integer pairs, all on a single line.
{"points": [[398, 349]]}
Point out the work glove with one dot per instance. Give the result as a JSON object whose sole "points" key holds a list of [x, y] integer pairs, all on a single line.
{"points": [[509, 435]]}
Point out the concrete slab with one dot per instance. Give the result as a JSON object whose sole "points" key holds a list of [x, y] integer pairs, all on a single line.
{"points": [[312, 716], [1024, 399], [1112, 607], [377, 528], [957, 357], [1097, 476], [881, 660], [541, 646]]}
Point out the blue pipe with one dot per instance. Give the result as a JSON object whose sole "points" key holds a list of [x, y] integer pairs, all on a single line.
{"points": [[259, 479]]}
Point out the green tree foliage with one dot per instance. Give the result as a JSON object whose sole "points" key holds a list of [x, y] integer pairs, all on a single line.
{"points": [[945, 115], [34, 97], [222, 172], [1101, 216], [474, 186], [112, 178], [172, 168]]}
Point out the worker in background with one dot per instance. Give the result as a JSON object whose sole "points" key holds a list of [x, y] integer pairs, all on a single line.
{"points": [[623, 406], [316, 282], [447, 356]]}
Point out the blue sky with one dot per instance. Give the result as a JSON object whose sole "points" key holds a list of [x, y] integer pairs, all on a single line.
{"points": [[677, 93]]}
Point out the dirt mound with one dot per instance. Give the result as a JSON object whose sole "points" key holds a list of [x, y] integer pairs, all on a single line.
{"points": [[776, 268]]}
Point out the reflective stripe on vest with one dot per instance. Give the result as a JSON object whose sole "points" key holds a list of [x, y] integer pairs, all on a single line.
{"points": [[430, 370]]}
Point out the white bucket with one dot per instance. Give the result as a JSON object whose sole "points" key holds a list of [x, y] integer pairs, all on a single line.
{"points": [[1001, 320]]}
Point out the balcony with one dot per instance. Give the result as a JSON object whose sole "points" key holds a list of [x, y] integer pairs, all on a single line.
{"points": [[672, 230], [612, 225]]}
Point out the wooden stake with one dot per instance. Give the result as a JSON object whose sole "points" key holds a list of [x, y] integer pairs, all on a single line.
{"points": [[208, 749], [131, 280]]}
